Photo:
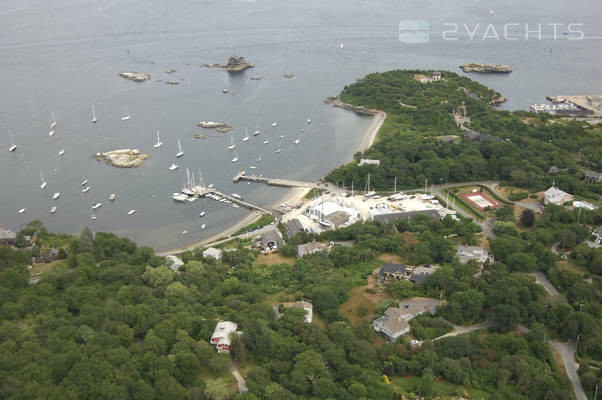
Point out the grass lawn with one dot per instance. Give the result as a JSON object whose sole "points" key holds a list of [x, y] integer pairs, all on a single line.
{"points": [[275, 258], [41, 269], [571, 265], [408, 385], [360, 299]]}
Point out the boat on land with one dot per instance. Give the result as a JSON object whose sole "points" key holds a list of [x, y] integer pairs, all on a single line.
{"points": [[43, 184], [180, 152], [131, 212], [93, 115], [159, 143], [126, 115]]}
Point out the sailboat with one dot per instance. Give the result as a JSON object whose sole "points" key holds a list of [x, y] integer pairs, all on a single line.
{"points": [[126, 116], [180, 152], [43, 184], [278, 149], [235, 159], [21, 211], [61, 151], [308, 120], [491, 11], [341, 46], [246, 135], [51, 132], [131, 212], [232, 145], [86, 189], [173, 167], [258, 159], [159, 143], [56, 195], [13, 146], [257, 132], [52, 209], [274, 123], [203, 226], [52, 121], [112, 196], [202, 214], [97, 205], [93, 115], [266, 141], [297, 141], [84, 182]]}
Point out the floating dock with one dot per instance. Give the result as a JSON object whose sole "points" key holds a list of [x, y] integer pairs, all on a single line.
{"points": [[242, 176], [200, 191]]}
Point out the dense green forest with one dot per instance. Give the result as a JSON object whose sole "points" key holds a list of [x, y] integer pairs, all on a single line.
{"points": [[409, 149], [111, 320]]}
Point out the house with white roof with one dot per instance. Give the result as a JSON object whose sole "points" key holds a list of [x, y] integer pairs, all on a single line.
{"points": [[467, 253], [556, 196], [212, 252], [222, 336]]}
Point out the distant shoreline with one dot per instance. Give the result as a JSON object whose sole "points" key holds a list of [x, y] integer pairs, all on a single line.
{"points": [[295, 194]]}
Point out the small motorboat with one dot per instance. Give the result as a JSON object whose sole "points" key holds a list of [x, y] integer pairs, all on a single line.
{"points": [[308, 120], [203, 226], [86, 189], [112, 196], [274, 123], [173, 167], [202, 214], [297, 141], [131, 212], [51, 132], [21, 211], [61, 152], [257, 132], [93, 216], [84, 182], [52, 209], [97, 205], [56, 196]]}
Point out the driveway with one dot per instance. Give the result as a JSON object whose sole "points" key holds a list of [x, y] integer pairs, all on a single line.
{"points": [[567, 352], [543, 280], [240, 381]]}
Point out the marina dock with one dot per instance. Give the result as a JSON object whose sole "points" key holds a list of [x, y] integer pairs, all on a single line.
{"points": [[242, 176], [200, 191]]}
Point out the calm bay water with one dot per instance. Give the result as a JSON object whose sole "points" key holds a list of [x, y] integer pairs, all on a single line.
{"points": [[65, 56]]}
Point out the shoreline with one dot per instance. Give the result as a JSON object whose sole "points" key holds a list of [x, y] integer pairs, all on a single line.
{"points": [[294, 195]]}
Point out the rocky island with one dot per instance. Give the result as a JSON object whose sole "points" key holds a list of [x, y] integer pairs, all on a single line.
{"points": [[237, 64], [212, 125], [124, 158], [486, 68], [135, 76]]}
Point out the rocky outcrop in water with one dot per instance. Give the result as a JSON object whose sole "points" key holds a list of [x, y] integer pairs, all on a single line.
{"points": [[486, 68], [135, 76], [212, 125], [123, 158]]}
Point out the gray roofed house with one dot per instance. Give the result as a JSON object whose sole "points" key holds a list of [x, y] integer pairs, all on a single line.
{"points": [[395, 321], [420, 273], [391, 272], [7, 237], [556, 196], [386, 218], [592, 176], [466, 253], [293, 227], [271, 241], [597, 233]]}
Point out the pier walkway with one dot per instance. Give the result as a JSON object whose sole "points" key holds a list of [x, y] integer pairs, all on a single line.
{"points": [[205, 192], [242, 176]]}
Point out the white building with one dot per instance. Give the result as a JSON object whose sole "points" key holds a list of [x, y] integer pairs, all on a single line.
{"points": [[221, 337], [395, 321], [333, 215], [556, 196], [466, 253], [212, 252], [368, 161]]}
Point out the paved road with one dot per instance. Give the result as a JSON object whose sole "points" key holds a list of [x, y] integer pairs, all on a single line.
{"points": [[567, 352], [240, 381], [543, 280]]}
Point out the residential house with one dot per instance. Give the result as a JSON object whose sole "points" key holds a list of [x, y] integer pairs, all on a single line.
{"points": [[292, 227], [420, 273], [304, 305], [367, 161], [214, 253], [481, 136], [47, 256], [393, 272], [592, 176], [312, 248], [7, 237], [555, 170], [395, 321], [556, 196], [466, 253], [597, 233], [271, 241], [436, 76], [222, 336]]}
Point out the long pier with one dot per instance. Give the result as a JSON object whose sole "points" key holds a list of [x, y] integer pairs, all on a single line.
{"points": [[242, 176], [204, 192]]}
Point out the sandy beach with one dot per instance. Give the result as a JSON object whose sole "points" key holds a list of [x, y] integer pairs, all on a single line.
{"points": [[295, 195]]}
